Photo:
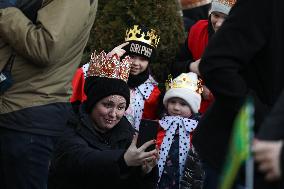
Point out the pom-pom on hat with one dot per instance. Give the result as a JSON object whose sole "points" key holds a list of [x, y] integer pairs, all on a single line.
{"points": [[142, 41], [106, 76], [186, 86], [223, 6]]}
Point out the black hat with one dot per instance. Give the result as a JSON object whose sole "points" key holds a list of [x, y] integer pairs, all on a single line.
{"points": [[142, 41], [97, 88], [106, 76]]}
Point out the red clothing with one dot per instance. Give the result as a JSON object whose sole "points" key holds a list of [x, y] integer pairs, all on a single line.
{"points": [[78, 87], [197, 42], [205, 104], [143, 103], [198, 39], [151, 105], [161, 134]]}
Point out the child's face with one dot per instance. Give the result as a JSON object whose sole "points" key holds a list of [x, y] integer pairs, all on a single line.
{"points": [[139, 65], [178, 107]]}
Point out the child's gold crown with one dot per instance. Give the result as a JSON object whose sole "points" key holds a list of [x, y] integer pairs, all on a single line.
{"points": [[111, 67], [185, 80], [136, 33]]}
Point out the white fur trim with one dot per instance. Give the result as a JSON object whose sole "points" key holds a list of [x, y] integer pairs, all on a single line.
{"points": [[85, 68], [142, 93]]}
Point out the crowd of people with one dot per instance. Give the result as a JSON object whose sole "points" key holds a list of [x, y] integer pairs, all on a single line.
{"points": [[63, 126]]}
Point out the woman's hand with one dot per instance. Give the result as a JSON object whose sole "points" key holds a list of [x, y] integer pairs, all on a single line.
{"points": [[137, 156], [150, 163], [267, 155], [118, 50]]}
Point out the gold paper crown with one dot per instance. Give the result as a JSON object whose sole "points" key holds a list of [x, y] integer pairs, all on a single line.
{"points": [[111, 67], [136, 33], [185, 80]]}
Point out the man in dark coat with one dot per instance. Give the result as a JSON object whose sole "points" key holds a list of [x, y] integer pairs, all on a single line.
{"points": [[268, 148], [244, 57]]}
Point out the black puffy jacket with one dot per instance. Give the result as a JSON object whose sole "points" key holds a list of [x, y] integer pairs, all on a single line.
{"points": [[85, 159]]}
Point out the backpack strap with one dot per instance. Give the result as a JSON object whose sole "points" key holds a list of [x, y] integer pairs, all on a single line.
{"points": [[10, 62]]}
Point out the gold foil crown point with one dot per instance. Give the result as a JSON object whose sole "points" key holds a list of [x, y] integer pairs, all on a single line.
{"points": [[102, 65], [136, 33], [185, 80]]}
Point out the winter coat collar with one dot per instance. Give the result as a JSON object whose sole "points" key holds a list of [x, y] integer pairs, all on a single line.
{"points": [[122, 131]]}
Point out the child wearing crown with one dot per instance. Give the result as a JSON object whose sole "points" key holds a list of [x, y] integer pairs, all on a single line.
{"points": [[144, 91], [181, 101]]}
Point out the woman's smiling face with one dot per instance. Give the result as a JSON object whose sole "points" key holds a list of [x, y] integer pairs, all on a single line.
{"points": [[108, 111]]}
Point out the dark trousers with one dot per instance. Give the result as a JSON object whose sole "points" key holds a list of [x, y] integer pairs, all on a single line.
{"points": [[24, 159]]}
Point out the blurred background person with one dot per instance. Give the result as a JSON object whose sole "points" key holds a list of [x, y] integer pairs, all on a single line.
{"points": [[233, 66], [197, 39], [181, 102], [40, 50], [194, 10], [268, 148]]}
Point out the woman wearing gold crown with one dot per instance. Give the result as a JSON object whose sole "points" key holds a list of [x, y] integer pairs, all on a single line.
{"points": [[197, 40], [181, 101], [98, 149]]}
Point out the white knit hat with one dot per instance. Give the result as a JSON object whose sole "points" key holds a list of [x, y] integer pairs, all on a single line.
{"points": [[187, 87], [223, 6]]}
